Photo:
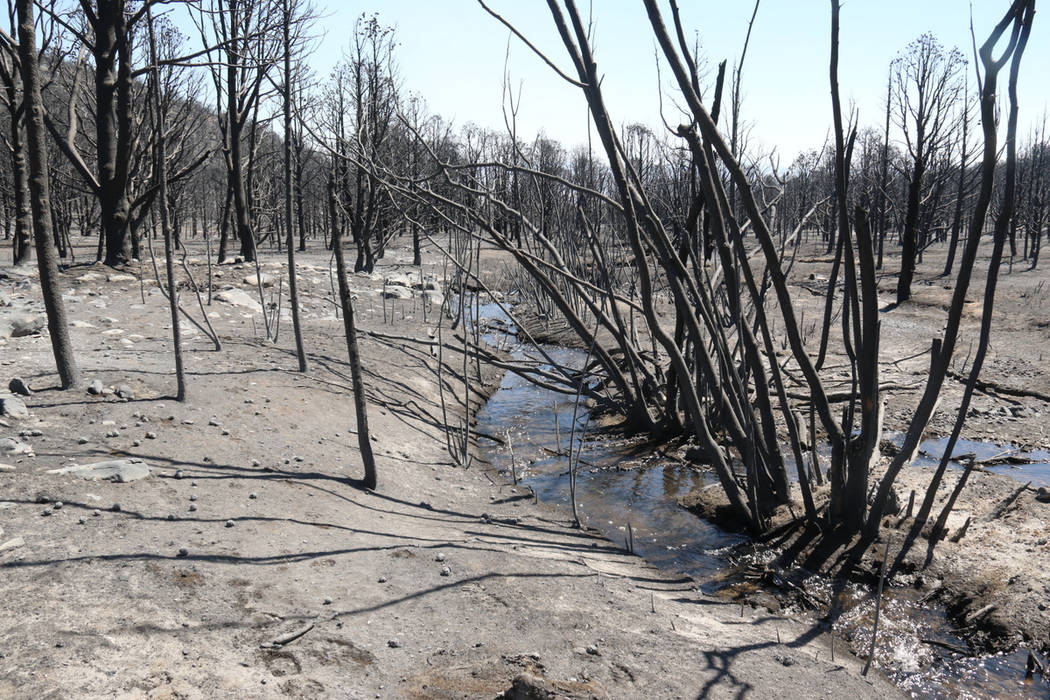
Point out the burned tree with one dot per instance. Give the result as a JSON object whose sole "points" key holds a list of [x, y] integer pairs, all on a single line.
{"points": [[39, 188], [927, 84]]}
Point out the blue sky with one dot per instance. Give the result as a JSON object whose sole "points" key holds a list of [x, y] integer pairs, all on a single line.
{"points": [[452, 53]]}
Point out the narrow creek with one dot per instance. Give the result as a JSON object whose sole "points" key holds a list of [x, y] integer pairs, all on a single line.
{"points": [[630, 492]]}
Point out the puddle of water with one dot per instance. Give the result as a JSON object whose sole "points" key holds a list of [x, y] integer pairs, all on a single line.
{"points": [[1031, 466]]}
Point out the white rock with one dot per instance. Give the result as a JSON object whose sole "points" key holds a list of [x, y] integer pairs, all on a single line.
{"points": [[237, 297], [118, 470]]}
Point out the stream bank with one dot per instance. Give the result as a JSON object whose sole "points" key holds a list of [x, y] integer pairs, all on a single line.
{"points": [[631, 491]]}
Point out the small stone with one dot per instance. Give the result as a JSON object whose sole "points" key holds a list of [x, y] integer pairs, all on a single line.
{"points": [[125, 392], [27, 325], [82, 441], [179, 474], [112, 433], [230, 523], [95, 387], [115, 507], [784, 659], [13, 408], [151, 435], [19, 386], [171, 516], [382, 579], [96, 512], [255, 463], [327, 601], [82, 520], [593, 650], [193, 497], [136, 443], [183, 552], [446, 571], [46, 512], [214, 422], [58, 505], [394, 643], [253, 495], [440, 557], [225, 432], [193, 507]]}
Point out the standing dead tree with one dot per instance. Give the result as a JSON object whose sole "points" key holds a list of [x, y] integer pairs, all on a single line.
{"points": [[243, 47], [39, 189], [165, 219], [927, 86], [346, 303]]}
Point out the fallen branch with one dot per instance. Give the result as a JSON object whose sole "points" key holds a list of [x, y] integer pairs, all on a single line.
{"points": [[287, 638], [991, 385]]}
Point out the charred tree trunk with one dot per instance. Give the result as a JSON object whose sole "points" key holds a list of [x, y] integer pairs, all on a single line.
{"points": [[346, 302], [165, 222], [40, 199], [289, 226]]}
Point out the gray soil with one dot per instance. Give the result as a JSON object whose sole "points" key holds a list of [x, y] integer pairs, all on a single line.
{"points": [[250, 529]]}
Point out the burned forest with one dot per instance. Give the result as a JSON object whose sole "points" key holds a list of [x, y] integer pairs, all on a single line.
{"points": [[486, 349]]}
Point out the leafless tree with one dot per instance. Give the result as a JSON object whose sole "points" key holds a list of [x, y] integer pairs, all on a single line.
{"points": [[40, 197], [927, 86]]}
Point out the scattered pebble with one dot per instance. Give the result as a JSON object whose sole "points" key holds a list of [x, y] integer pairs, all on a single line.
{"points": [[440, 557], [82, 441], [593, 650], [151, 435], [193, 497], [183, 552], [446, 571], [253, 495], [382, 579], [394, 644], [179, 474], [193, 507], [58, 505], [327, 601], [115, 508], [96, 512], [230, 523]]}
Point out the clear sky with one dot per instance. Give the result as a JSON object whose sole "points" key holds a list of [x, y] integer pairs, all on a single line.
{"points": [[452, 53]]}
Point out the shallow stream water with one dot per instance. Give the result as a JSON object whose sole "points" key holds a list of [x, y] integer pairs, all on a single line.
{"points": [[629, 491]]}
